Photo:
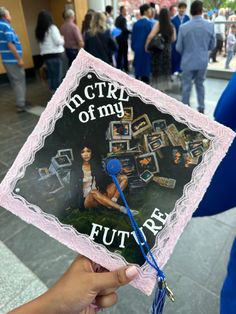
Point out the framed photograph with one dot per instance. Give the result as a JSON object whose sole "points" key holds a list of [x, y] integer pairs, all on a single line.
{"points": [[128, 114], [120, 130], [117, 147], [128, 164], [197, 152], [108, 134], [195, 144], [141, 125], [155, 145], [183, 139], [178, 156], [99, 230], [66, 152], [52, 183], [190, 136], [190, 161], [134, 149], [173, 134], [153, 138], [165, 182], [146, 176], [159, 125], [43, 172], [147, 162], [136, 183], [60, 162]]}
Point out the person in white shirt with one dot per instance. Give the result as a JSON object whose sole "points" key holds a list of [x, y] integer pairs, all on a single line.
{"points": [[109, 15], [220, 34], [51, 45]]}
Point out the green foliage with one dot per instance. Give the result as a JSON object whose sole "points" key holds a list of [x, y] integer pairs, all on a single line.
{"points": [[211, 4], [82, 221]]}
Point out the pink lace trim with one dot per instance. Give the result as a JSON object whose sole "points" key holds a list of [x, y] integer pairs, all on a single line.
{"points": [[220, 136]]}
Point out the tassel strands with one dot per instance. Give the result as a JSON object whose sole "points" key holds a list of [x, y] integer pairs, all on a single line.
{"points": [[113, 168], [159, 298]]}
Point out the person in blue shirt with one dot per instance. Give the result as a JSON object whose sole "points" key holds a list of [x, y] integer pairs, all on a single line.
{"points": [[11, 53], [195, 39], [141, 30], [221, 195], [177, 20]]}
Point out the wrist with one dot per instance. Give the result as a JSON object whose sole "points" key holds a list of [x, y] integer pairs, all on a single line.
{"points": [[49, 304], [40, 305]]}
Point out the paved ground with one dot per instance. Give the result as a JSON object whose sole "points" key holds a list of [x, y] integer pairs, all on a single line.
{"points": [[34, 261], [220, 64]]}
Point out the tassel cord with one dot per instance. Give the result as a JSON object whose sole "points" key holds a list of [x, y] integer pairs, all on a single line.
{"points": [[139, 235]]}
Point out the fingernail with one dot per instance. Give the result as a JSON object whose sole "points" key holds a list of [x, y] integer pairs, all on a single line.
{"points": [[131, 272]]}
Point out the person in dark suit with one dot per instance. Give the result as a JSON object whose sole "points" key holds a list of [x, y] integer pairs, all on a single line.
{"points": [[122, 40]]}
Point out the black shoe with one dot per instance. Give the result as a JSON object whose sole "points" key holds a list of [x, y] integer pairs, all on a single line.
{"points": [[201, 110], [21, 109], [25, 107]]}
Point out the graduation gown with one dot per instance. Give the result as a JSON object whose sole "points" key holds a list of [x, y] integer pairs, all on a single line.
{"points": [[175, 56], [221, 194], [142, 59]]}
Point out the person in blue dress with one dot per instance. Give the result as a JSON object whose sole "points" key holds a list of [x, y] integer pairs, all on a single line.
{"points": [[221, 194], [178, 20], [140, 32]]}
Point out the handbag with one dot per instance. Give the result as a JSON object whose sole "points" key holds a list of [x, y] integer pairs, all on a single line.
{"points": [[43, 73], [157, 43]]}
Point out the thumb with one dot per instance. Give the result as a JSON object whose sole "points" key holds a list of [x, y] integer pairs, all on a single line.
{"points": [[114, 279]]}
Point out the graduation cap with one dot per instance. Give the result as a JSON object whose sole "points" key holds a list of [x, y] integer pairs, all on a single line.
{"points": [[164, 154]]}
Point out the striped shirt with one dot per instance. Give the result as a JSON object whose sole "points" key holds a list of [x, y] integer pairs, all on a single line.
{"points": [[7, 34]]}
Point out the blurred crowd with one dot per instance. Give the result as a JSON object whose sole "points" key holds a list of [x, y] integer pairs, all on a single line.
{"points": [[157, 44]]}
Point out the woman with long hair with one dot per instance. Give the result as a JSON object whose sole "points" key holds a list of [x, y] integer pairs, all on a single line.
{"points": [[86, 24], [51, 45], [98, 40], [161, 59], [91, 187]]}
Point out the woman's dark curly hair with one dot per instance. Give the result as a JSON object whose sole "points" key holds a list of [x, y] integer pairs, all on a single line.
{"points": [[95, 164]]}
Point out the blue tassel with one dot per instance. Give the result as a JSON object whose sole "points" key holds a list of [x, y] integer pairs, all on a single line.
{"points": [[159, 299], [113, 168]]}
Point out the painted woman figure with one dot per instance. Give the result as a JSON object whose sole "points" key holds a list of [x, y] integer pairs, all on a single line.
{"points": [[91, 187]]}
